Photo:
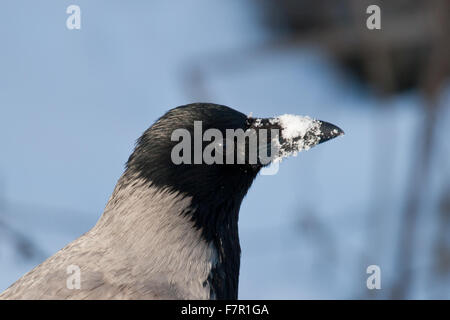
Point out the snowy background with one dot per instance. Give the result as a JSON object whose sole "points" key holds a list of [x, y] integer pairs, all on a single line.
{"points": [[73, 103]]}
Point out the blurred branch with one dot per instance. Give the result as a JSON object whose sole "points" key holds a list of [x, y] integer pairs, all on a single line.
{"points": [[405, 39], [26, 248], [418, 178], [442, 244]]}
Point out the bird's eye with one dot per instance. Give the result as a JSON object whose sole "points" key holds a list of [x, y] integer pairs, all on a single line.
{"points": [[220, 146]]}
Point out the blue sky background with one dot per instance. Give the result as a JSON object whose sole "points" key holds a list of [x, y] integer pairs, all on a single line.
{"points": [[73, 103]]}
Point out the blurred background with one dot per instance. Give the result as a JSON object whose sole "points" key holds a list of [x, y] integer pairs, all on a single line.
{"points": [[74, 101]]}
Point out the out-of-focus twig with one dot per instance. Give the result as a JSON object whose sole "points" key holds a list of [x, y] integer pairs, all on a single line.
{"points": [[433, 79]]}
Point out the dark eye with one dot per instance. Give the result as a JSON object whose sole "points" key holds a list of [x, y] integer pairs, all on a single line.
{"points": [[220, 146]]}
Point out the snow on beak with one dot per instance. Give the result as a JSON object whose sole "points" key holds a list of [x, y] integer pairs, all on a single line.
{"points": [[296, 133]]}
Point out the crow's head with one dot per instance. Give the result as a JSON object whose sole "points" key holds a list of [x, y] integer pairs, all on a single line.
{"points": [[212, 152]]}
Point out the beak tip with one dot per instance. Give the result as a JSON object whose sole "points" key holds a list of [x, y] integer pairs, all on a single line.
{"points": [[330, 131]]}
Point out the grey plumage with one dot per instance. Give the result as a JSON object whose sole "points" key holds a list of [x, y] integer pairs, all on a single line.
{"points": [[116, 260]]}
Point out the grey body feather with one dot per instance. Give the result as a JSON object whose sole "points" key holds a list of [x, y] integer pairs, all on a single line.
{"points": [[135, 251]]}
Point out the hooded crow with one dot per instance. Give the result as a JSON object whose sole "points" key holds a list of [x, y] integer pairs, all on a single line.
{"points": [[170, 228]]}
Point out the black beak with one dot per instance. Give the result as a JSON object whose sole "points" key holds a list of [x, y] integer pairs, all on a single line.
{"points": [[294, 134], [329, 131]]}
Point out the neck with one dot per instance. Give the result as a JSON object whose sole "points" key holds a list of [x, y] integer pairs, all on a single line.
{"points": [[218, 221], [167, 233]]}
